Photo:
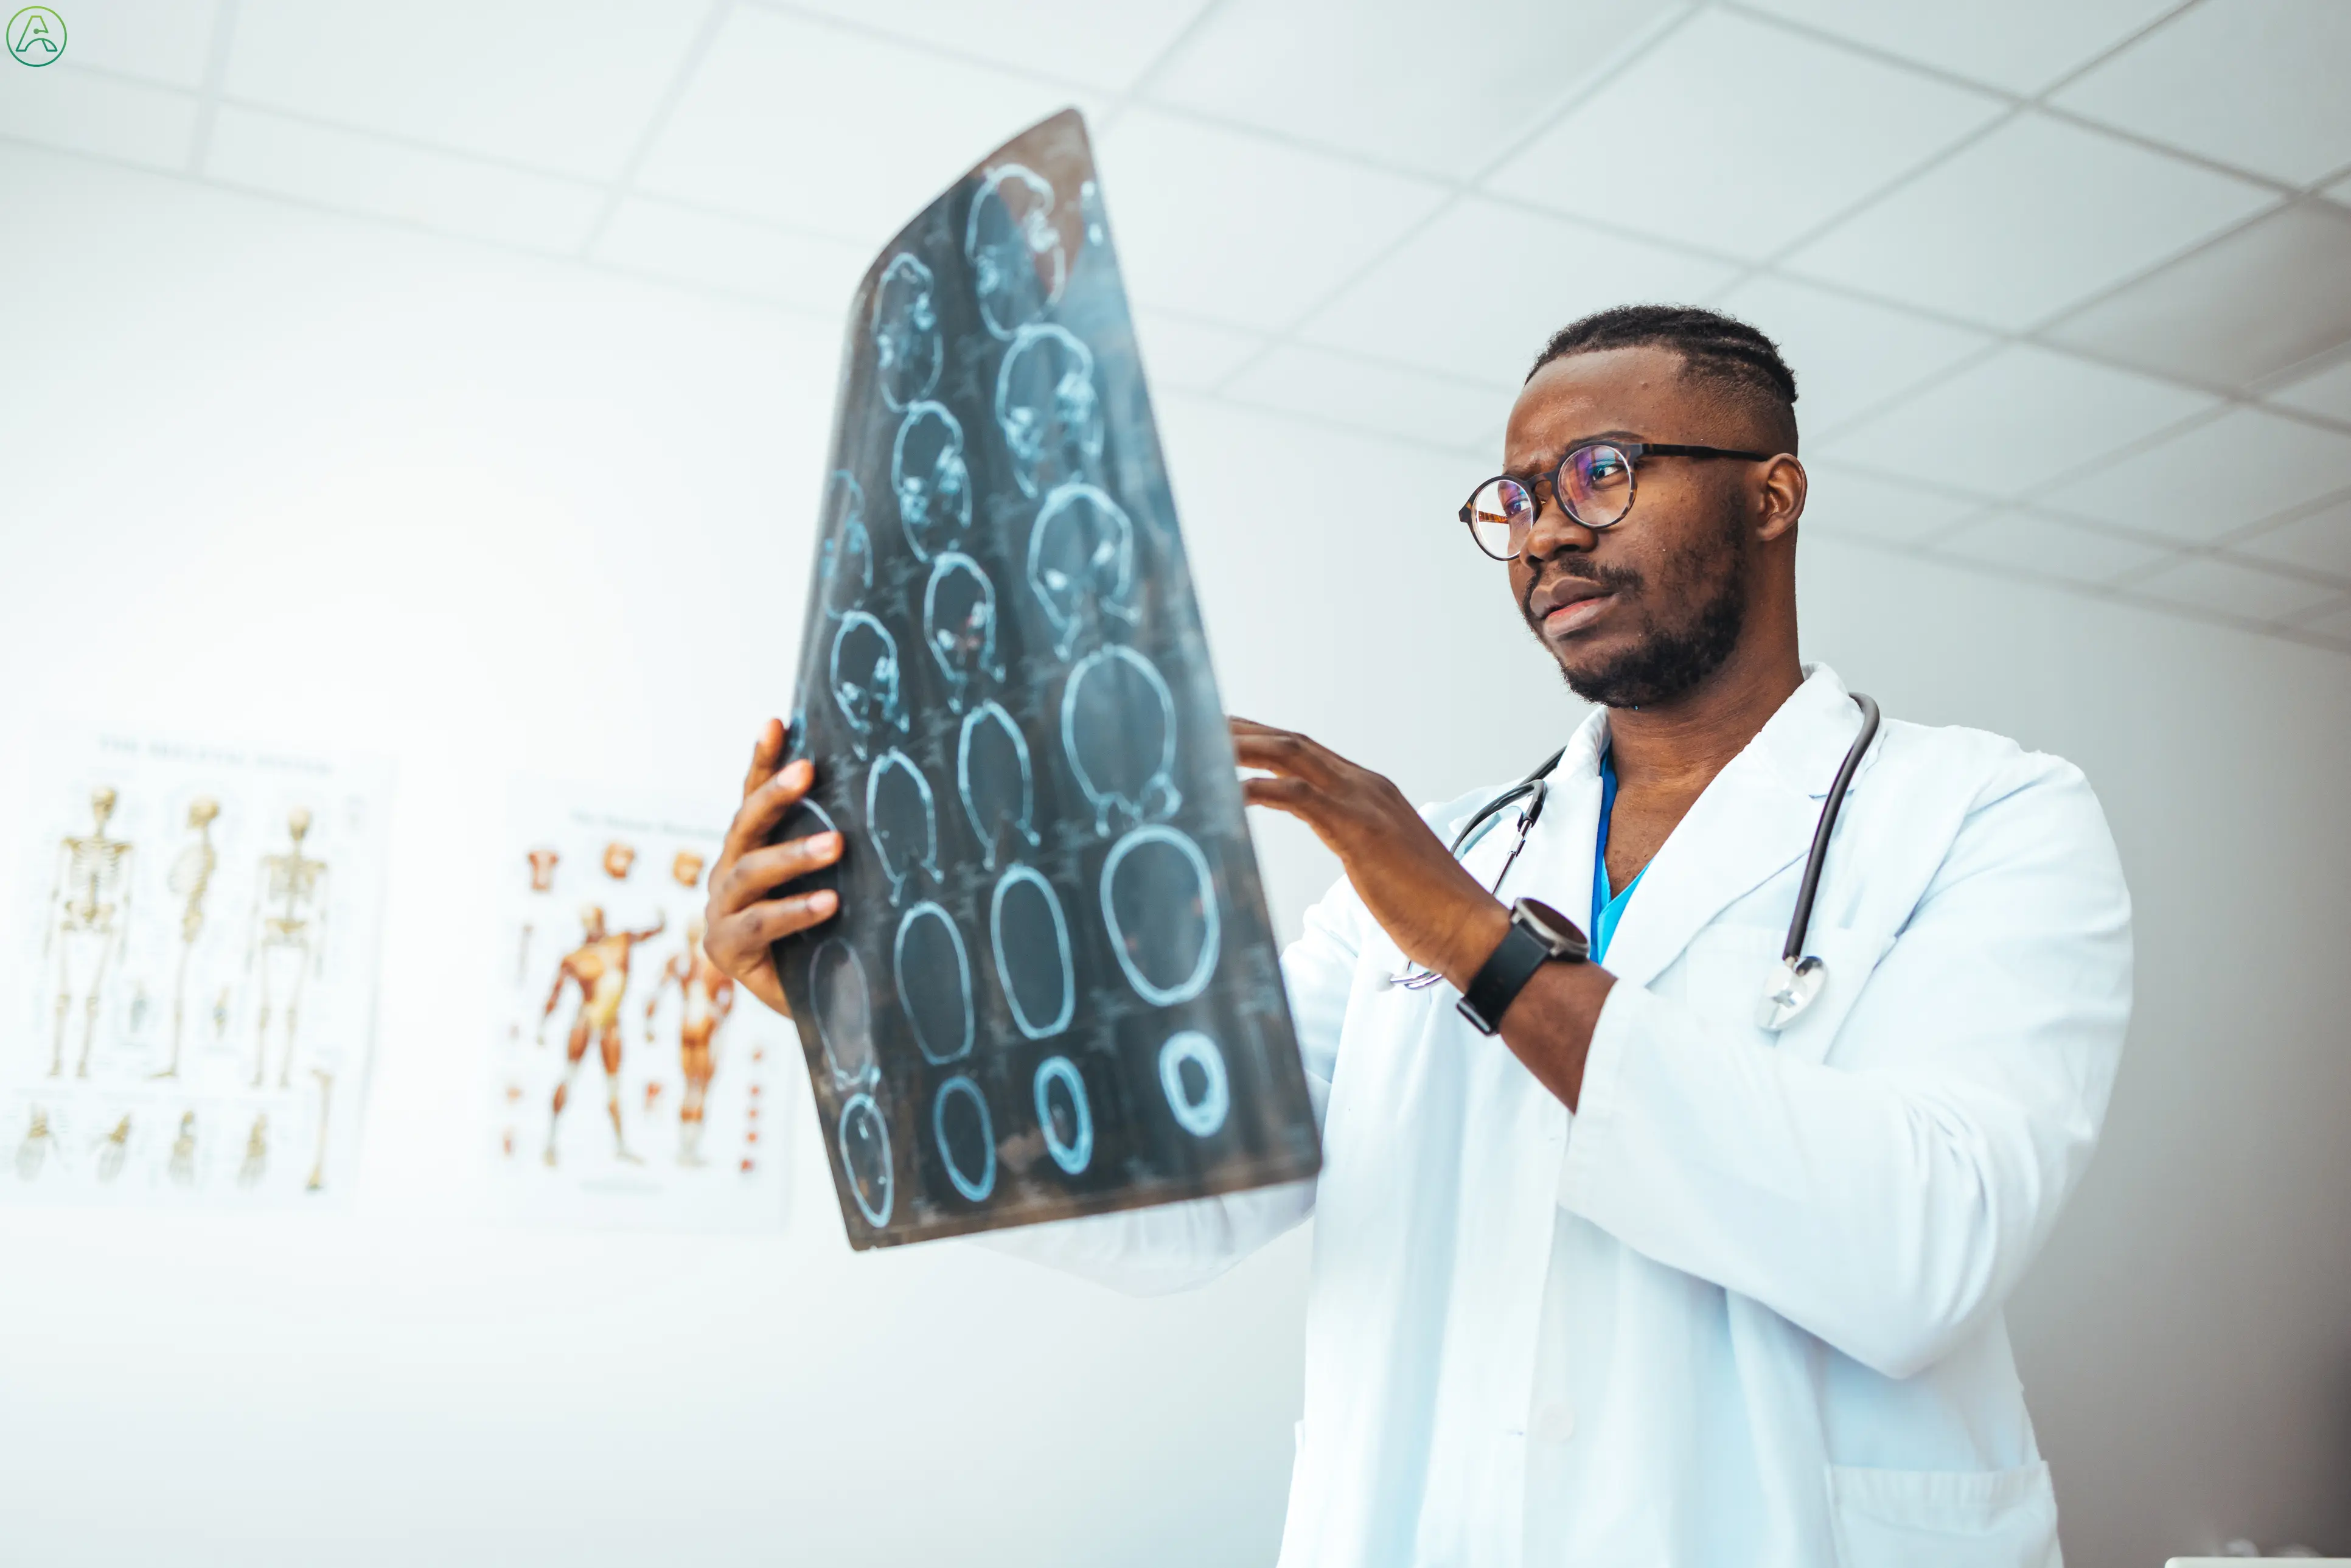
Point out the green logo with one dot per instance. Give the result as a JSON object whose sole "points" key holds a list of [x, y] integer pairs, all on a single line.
{"points": [[36, 36]]}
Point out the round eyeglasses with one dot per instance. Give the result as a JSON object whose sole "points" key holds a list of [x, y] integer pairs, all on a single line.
{"points": [[1594, 483]]}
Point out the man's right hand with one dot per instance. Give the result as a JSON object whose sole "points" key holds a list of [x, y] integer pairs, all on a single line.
{"points": [[745, 916]]}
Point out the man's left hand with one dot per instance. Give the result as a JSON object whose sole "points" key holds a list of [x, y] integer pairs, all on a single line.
{"points": [[1430, 906]]}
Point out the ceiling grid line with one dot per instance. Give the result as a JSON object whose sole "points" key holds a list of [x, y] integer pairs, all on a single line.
{"points": [[623, 184], [208, 101]]}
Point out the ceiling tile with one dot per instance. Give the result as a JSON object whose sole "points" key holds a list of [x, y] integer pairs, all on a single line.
{"points": [[2320, 541], [2213, 479], [2035, 216], [1382, 399], [165, 41], [80, 111], [1104, 46], [2251, 303], [2258, 84], [1981, 38], [2048, 547], [783, 122], [2326, 394], [1852, 502], [735, 254], [2205, 583], [1371, 69], [1739, 137], [1479, 292], [1197, 356], [346, 170], [566, 86], [2007, 426], [1220, 224], [1849, 355], [2333, 623]]}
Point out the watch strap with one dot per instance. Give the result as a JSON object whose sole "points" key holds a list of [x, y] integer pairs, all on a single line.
{"points": [[1504, 976]]}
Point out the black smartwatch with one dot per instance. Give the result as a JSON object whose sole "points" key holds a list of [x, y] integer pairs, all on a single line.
{"points": [[1539, 935]]}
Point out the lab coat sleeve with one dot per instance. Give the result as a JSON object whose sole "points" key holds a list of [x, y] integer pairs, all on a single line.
{"points": [[1177, 1245], [1888, 1198]]}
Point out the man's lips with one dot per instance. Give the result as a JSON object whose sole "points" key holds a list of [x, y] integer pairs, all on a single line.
{"points": [[1570, 606]]}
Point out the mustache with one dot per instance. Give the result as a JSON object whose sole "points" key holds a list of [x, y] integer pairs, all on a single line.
{"points": [[1611, 579]]}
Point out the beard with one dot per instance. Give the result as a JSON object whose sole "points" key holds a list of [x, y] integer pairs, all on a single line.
{"points": [[1669, 660]]}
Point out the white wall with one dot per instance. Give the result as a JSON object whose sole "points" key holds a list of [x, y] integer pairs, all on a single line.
{"points": [[274, 474]]}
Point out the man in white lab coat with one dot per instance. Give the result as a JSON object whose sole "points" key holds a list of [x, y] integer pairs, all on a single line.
{"points": [[1635, 1280]]}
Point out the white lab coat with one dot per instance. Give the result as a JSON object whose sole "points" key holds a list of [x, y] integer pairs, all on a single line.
{"points": [[1745, 1307]]}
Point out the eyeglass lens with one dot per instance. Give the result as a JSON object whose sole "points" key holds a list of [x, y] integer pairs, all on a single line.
{"points": [[1596, 486]]}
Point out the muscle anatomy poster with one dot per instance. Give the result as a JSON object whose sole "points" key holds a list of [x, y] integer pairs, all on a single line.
{"points": [[195, 961], [631, 1083]]}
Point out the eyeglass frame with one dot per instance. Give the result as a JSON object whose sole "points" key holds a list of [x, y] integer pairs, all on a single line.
{"points": [[1634, 452]]}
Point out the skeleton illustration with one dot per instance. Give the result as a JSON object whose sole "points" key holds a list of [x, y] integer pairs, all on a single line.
{"points": [[865, 679], [705, 995], [1048, 408], [256, 1153], [85, 924], [1081, 562], [1118, 730], [959, 623], [843, 1004], [993, 779], [182, 1167], [907, 347], [1019, 265], [903, 820], [1063, 1114], [599, 967], [618, 858], [1199, 1107], [934, 979], [848, 561], [967, 1142], [318, 1177], [288, 944], [113, 1149], [1159, 905], [932, 482], [865, 1158], [191, 876], [40, 1142]]}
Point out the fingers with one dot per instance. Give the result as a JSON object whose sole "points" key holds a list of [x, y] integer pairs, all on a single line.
{"points": [[1283, 752], [765, 806], [755, 874], [1294, 796], [753, 931], [766, 752]]}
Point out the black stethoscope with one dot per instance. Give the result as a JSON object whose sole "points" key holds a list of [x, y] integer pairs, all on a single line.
{"points": [[1801, 975]]}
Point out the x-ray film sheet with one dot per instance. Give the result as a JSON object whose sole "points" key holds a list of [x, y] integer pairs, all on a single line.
{"points": [[1053, 988]]}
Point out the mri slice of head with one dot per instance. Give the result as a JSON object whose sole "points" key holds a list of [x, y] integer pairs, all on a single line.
{"points": [[1018, 262], [930, 478], [1081, 562], [959, 623], [1047, 407], [1118, 730], [865, 1158], [843, 1006], [1031, 939], [934, 978], [865, 677], [966, 1137], [1159, 905], [1192, 1076], [902, 820], [907, 350], [848, 564], [1064, 1116], [993, 779]]}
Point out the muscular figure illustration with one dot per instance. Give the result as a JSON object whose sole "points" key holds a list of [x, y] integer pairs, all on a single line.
{"points": [[257, 1152], [705, 995], [600, 967], [288, 942], [191, 874], [85, 924], [113, 1149]]}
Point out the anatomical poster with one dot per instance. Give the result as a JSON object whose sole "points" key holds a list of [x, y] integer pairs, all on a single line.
{"points": [[194, 962], [1053, 988], [631, 1083]]}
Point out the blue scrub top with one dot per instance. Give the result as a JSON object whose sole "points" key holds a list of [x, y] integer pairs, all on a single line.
{"points": [[1607, 909]]}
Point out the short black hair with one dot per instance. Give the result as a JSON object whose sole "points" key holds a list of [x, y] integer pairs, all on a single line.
{"points": [[1722, 351]]}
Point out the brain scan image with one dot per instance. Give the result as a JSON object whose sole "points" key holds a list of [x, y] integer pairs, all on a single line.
{"points": [[847, 563], [865, 1158], [993, 779], [1081, 562], [844, 1013], [1047, 408], [932, 482], [1063, 1115], [1192, 1075], [1031, 939], [865, 679], [934, 979], [1159, 905], [959, 623], [907, 352], [966, 1140], [1118, 730], [1018, 264], [902, 820]]}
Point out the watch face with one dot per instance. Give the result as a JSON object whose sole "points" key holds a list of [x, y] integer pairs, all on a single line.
{"points": [[1558, 933]]}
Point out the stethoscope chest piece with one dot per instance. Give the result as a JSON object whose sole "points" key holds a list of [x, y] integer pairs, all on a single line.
{"points": [[1793, 985]]}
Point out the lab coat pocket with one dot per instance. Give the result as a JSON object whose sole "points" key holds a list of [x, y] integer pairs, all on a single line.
{"points": [[1731, 965], [1944, 1518]]}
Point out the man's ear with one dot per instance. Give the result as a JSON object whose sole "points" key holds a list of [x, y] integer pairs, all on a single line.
{"points": [[1781, 497]]}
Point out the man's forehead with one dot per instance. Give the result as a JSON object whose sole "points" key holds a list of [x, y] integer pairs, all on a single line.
{"points": [[1637, 390]]}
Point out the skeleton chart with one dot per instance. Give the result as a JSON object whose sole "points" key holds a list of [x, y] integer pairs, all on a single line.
{"points": [[194, 965], [1053, 989]]}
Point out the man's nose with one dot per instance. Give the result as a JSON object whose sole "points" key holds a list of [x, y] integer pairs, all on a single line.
{"points": [[1555, 530]]}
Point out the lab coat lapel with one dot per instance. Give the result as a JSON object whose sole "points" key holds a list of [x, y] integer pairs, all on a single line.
{"points": [[1753, 819]]}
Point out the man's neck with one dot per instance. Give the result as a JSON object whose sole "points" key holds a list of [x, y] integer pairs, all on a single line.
{"points": [[1673, 750]]}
